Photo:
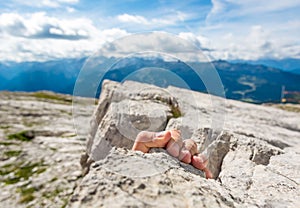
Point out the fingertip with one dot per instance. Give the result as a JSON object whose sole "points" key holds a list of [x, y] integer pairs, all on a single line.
{"points": [[173, 149], [168, 135], [197, 162], [208, 174], [176, 134], [185, 156]]}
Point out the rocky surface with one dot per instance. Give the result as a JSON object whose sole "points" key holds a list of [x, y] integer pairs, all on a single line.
{"points": [[253, 151], [39, 149]]}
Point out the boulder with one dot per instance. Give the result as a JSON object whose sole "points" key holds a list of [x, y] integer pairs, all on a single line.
{"points": [[122, 112], [253, 151]]}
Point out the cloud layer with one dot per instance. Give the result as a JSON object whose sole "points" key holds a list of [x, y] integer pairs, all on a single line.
{"points": [[223, 29], [254, 29], [39, 25], [40, 37]]}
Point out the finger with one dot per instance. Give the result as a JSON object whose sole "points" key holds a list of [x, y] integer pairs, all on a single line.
{"points": [[173, 148], [208, 173], [160, 139], [188, 150], [176, 135], [141, 139], [185, 156], [175, 144], [191, 146], [145, 140], [199, 161]]}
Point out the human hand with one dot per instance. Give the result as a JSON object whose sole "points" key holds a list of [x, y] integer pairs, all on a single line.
{"points": [[186, 151]]}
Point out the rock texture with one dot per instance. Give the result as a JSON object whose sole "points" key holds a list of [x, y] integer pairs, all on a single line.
{"points": [[254, 156], [39, 149], [123, 111], [254, 150]]}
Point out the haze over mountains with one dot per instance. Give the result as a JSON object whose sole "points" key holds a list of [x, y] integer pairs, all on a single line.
{"points": [[58, 76], [242, 81], [288, 64]]}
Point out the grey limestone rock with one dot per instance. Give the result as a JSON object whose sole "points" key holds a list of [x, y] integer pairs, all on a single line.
{"points": [[122, 112], [119, 181], [38, 149], [253, 151]]}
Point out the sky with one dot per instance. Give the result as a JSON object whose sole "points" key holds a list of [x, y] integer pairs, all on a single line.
{"points": [[41, 30]]}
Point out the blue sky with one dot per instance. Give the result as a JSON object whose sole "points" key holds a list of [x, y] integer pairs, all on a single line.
{"points": [[40, 30]]}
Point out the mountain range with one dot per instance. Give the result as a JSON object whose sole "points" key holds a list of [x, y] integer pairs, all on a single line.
{"points": [[251, 82], [58, 76], [288, 64]]}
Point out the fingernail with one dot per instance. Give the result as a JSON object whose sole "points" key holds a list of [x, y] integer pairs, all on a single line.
{"points": [[184, 155], [160, 134], [176, 147], [173, 149]]}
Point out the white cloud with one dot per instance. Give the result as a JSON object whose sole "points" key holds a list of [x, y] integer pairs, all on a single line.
{"points": [[49, 3], [217, 7], [154, 43], [223, 9], [258, 6], [248, 29], [56, 31], [39, 25], [70, 9], [69, 1], [166, 20], [112, 34], [200, 41], [258, 42], [38, 37], [46, 3], [133, 19], [253, 29]]}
